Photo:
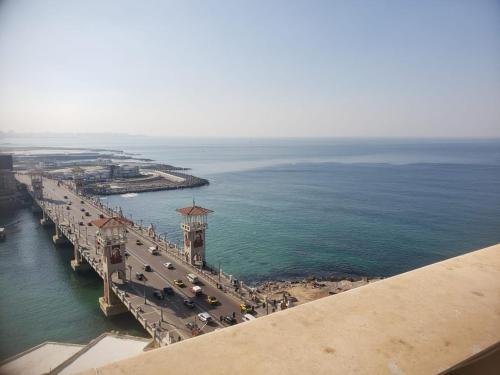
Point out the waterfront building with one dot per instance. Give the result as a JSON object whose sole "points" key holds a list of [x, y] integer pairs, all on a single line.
{"points": [[124, 171], [7, 182], [194, 225]]}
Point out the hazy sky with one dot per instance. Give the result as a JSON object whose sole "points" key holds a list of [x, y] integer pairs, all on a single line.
{"points": [[253, 68]]}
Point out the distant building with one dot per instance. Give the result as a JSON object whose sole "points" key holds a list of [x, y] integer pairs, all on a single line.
{"points": [[124, 171], [7, 182]]}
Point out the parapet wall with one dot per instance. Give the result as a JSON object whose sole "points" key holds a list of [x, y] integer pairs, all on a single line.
{"points": [[421, 322]]}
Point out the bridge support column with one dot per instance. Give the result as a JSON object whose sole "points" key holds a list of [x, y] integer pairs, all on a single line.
{"points": [[35, 208], [45, 221], [79, 264], [58, 238], [110, 304]]}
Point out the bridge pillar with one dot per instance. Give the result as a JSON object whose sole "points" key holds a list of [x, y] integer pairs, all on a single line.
{"points": [[45, 220], [58, 238], [79, 264], [35, 208], [110, 240]]}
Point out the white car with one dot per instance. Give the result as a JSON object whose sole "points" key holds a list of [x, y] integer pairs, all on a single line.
{"points": [[204, 317], [168, 265]]}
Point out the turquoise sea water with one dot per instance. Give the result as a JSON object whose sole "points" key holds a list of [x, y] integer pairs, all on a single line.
{"points": [[283, 208]]}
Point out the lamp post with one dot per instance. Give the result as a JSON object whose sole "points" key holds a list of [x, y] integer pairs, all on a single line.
{"points": [[130, 271]]}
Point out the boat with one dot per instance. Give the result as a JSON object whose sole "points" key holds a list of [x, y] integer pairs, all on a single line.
{"points": [[2, 234]]}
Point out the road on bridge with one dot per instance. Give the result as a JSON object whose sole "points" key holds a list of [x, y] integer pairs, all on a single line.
{"points": [[175, 313]]}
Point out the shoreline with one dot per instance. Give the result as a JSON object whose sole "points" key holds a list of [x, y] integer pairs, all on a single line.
{"points": [[299, 291]]}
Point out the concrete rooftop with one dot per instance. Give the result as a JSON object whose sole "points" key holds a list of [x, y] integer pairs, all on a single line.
{"points": [[420, 322]]}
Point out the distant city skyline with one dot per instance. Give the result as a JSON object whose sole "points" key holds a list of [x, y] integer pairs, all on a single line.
{"points": [[251, 69]]}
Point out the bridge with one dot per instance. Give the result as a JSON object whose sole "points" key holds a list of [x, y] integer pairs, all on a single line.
{"points": [[84, 221]]}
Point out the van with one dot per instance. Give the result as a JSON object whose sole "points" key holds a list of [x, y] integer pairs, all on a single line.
{"points": [[153, 250], [192, 278], [248, 317], [196, 290]]}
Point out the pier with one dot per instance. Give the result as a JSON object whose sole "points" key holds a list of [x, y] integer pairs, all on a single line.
{"points": [[116, 249]]}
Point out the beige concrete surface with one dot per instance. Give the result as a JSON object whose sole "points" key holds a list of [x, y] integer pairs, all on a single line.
{"points": [[419, 322], [108, 348], [39, 360]]}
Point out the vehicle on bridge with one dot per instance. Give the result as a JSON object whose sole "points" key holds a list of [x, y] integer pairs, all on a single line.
{"points": [[153, 250], [169, 265], [168, 290], [138, 242], [147, 268], [246, 308], [87, 213], [212, 300], [192, 278], [158, 295], [189, 303], [205, 317], [196, 290], [179, 283], [231, 320], [140, 276], [248, 317]]}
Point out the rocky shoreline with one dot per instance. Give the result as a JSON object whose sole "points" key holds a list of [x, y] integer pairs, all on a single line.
{"points": [[299, 291]]}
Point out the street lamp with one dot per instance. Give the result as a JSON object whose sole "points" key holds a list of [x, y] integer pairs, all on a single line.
{"points": [[130, 273]]}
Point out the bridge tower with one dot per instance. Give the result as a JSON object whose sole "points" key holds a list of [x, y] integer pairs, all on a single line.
{"points": [[37, 184], [111, 239], [194, 224]]}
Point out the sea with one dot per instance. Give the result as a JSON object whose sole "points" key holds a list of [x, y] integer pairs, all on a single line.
{"points": [[283, 209]]}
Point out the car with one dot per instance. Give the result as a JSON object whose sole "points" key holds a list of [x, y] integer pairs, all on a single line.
{"points": [[246, 308], [138, 242], [70, 203], [168, 290], [192, 326], [196, 290], [68, 208], [189, 303], [158, 295], [212, 300], [101, 216], [147, 268], [82, 202], [204, 317], [87, 213], [65, 197], [169, 265], [81, 223], [89, 224], [179, 283], [126, 254], [229, 319], [153, 250], [82, 209], [139, 276], [248, 317]]}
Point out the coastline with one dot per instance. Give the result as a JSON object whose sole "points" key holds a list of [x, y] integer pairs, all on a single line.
{"points": [[299, 291]]}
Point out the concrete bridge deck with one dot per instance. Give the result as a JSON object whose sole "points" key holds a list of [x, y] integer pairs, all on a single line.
{"points": [[165, 320]]}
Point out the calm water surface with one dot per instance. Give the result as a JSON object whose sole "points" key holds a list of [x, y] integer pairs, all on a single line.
{"points": [[283, 208]]}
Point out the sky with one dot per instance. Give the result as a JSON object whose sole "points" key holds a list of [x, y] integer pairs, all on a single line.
{"points": [[251, 68]]}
